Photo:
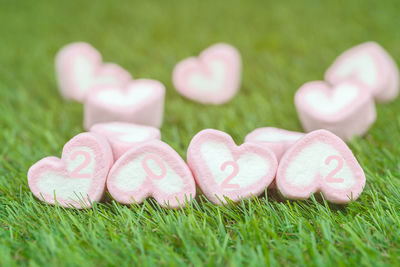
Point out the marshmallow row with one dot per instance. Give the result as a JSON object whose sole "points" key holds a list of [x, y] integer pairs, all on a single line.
{"points": [[133, 164], [345, 102], [123, 152]]}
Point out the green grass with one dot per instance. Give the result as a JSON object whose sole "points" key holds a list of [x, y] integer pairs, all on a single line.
{"points": [[283, 45]]}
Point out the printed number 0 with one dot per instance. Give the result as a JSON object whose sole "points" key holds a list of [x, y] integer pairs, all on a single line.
{"points": [[225, 184], [149, 172], [77, 172], [330, 177]]}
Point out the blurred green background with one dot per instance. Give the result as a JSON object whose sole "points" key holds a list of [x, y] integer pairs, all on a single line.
{"points": [[283, 45]]}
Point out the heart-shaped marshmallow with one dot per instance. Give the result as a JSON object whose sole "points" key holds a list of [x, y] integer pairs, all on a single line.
{"points": [[78, 178], [141, 102], [123, 136], [346, 109], [79, 67], [370, 64], [222, 169], [320, 162], [151, 169], [212, 78], [278, 140]]}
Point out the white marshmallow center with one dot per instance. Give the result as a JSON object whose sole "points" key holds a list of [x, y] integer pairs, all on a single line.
{"points": [[211, 81], [131, 176], [70, 189], [362, 65], [340, 97], [124, 98], [276, 137], [312, 162], [251, 167], [129, 134]]}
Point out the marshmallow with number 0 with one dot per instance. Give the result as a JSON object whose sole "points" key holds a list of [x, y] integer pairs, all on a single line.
{"points": [[223, 169], [212, 78], [78, 178], [278, 140], [123, 136], [140, 102], [320, 162], [151, 169], [370, 64], [346, 109], [79, 67]]}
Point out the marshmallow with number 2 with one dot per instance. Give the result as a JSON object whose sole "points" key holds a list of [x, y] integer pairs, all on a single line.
{"points": [[320, 162], [222, 169], [78, 178], [151, 169]]}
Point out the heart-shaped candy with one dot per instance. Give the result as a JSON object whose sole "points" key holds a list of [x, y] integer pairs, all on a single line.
{"points": [[370, 64], [78, 178], [212, 78], [278, 140], [151, 169], [141, 102], [346, 109], [320, 162], [222, 169], [123, 136], [79, 67]]}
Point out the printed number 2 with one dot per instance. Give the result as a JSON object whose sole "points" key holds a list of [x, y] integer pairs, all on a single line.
{"points": [[225, 184], [76, 173], [160, 164], [330, 177]]}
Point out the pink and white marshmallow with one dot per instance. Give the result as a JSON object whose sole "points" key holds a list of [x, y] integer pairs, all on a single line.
{"points": [[346, 109], [140, 102], [79, 67], [151, 169], [370, 64], [78, 178], [320, 162], [212, 78], [223, 169], [278, 140], [123, 136]]}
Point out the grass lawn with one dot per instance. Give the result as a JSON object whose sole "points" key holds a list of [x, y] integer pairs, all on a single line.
{"points": [[283, 44]]}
